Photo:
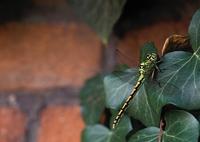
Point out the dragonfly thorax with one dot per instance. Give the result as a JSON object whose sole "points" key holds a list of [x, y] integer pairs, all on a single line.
{"points": [[147, 66]]}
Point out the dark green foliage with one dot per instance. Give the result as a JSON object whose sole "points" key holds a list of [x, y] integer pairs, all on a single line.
{"points": [[180, 127], [93, 100], [99, 133], [101, 15], [177, 84]]}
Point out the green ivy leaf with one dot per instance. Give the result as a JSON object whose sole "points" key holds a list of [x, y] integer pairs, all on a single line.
{"points": [[196, 114], [149, 134], [180, 127], [117, 86], [101, 15], [92, 98], [179, 80], [194, 31], [99, 133]]}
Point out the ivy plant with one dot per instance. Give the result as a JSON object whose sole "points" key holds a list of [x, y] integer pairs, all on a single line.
{"points": [[166, 108], [101, 15]]}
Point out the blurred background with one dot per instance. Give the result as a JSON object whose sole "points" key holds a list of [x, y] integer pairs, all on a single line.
{"points": [[47, 53]]}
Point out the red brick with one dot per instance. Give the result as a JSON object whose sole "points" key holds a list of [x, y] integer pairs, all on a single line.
{"points": [[44, 55], [60, 124], [12, 125]]}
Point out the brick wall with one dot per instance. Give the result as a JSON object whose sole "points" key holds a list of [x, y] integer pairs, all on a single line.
{"points": [[43, 65]]}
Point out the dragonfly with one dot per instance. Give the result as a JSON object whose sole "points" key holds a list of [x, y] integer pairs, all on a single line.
{"points": [[145, 69]]}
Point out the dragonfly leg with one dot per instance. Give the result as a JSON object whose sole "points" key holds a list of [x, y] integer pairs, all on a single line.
{"points": [[153, 77], [157, 68]]}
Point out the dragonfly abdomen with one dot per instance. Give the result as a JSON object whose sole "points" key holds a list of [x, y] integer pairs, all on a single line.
{"points": [[126, 104]]}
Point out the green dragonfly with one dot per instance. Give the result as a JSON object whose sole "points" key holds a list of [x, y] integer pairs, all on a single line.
{"points": [[146, 68]]}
